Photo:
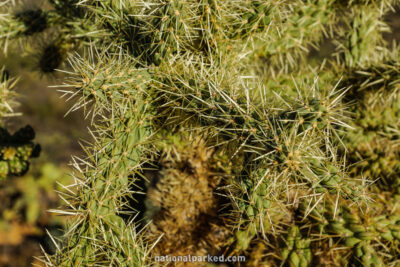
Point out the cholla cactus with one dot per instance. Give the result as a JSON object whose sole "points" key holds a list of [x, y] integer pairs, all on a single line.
{"points": [[15, 150], [215, 131], [298, 251]]}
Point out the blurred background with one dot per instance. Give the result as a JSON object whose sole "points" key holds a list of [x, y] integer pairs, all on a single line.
{"points": [[25, 201]]}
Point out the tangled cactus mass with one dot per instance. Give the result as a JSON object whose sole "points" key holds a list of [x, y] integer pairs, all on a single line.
{"points": [[16, 150], [222, 128]]}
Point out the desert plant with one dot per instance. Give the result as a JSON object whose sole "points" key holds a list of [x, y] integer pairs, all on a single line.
{"points": [[217, 131], [17, 149]]}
